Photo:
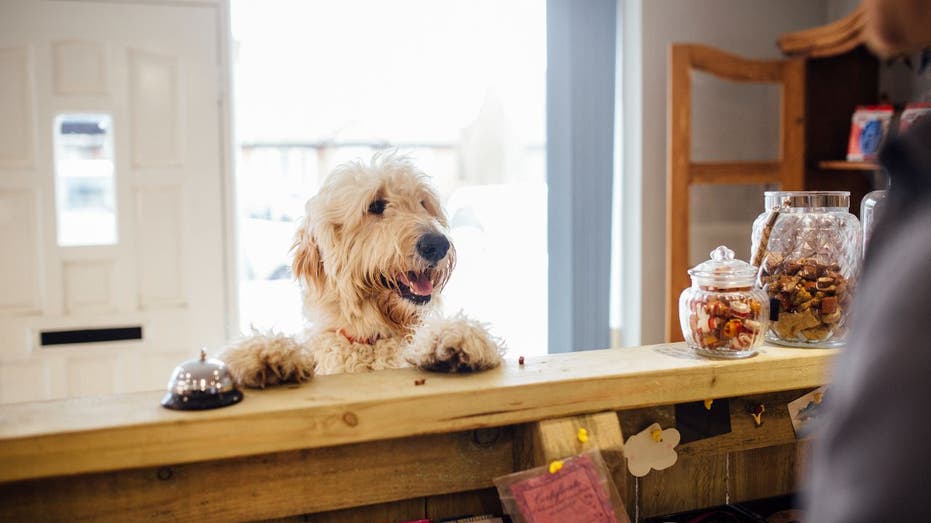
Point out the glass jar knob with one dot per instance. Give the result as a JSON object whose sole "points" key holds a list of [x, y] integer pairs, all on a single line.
{"points": [[722, 253]]}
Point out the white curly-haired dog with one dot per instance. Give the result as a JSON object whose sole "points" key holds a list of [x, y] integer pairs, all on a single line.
{"points": [[372, 256]]}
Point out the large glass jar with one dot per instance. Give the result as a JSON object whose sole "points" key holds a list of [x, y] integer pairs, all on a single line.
{"points": [[722, 314], [807, 247]]}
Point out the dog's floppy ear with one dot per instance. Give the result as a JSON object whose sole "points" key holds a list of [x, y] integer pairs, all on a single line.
{"points": [[307, 264], [431, 202]]}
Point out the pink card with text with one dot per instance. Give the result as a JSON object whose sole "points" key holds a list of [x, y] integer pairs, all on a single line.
{"points": [[575, 493]]}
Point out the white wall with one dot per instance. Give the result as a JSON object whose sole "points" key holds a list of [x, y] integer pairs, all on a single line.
{"points": [[838, 9], [745, 27]]}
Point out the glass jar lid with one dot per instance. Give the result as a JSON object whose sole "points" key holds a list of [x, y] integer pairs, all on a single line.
{"points": [[723, 271], [806, 199]]}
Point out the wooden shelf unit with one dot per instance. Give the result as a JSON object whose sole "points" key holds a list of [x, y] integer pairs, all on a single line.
{"points": [[844, 165], [827, 74], [840, 74]]}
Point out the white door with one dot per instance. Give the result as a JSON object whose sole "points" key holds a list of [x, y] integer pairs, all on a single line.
{"points": [[112, 189]]}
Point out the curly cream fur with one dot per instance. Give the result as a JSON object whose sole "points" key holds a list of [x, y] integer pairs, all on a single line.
{"points": [[269, 359], [349, 262], [457, 344]]}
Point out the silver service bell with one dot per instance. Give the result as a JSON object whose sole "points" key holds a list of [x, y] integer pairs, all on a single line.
{"points": [[201, 384]]}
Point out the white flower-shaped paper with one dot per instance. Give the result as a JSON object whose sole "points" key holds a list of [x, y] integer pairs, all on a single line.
{"points": [[652, 448]]}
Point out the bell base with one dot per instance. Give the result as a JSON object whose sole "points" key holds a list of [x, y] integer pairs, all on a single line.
{"points": [[201, 400]]}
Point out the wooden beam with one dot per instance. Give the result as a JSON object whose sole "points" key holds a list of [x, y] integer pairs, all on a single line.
{"points": [[98, 434], [437, 475], [828, 40], [694, 481], [775, 431], [271, 486], [732, 67], [735, 172], [558, 438], [710, 471], [476, 502], [679, 138], [792, 130], [548, 440], [406, 510], [843, 165], [763, 473]]}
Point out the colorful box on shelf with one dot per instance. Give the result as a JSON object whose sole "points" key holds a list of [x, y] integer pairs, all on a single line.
{"points": [[868, 129]]}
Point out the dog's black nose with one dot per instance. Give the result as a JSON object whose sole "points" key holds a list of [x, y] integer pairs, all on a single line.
{"points": [[432, 247]]}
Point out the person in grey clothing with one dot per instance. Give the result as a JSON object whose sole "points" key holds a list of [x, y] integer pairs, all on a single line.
{"points": [[873, 453]]}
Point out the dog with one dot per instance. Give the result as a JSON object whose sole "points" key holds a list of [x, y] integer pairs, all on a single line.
{"points": [[372, 255]]}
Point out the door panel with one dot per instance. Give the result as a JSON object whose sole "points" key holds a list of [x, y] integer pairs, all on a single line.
{"points": [[79, 67], [88, 286], [158, 220], [16, 95], [153, 99], [19, 233]]}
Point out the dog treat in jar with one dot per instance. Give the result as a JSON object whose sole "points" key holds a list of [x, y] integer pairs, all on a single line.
{"points": [[808, 248], [722, 314]]}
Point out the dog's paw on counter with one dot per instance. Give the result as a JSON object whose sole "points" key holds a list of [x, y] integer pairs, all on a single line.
{"points": [[457, 344], [268, 359]]}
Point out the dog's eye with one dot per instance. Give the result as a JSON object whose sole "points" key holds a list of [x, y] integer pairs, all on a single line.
{"points": [[377, 207], [423, 204]]}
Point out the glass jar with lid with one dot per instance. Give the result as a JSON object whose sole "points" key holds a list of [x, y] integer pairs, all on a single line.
{"points": [[723, 315], [807, 246]]}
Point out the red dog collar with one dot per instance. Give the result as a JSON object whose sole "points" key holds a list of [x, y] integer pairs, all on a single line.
{"points": [[365, 341]]}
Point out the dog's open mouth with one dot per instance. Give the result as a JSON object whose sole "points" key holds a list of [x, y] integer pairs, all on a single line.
{"points": [[416, 287]]}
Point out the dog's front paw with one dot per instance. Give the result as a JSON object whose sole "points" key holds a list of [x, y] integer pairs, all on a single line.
{"points": [[454, 345], [268, 359]]}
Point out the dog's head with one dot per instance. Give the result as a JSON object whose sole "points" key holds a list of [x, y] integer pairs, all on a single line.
{"points": [[374, 242]]}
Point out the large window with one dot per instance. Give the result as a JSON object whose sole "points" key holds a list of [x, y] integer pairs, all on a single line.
{"points": [[457, 85]]}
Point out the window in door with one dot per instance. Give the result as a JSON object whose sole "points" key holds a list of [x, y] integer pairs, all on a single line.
{"points": [[85, 197]]}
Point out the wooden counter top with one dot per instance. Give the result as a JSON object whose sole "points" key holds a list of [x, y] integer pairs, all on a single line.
{"points": [[57, 438]]}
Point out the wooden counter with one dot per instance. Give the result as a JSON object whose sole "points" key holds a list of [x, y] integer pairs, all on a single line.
{"points": [[360, 439]]}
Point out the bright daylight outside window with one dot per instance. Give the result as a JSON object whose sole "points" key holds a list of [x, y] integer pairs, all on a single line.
{"points": [[84, 189], [458, 85]]}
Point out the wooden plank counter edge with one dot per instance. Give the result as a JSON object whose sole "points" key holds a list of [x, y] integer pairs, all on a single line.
{"points": [[83, 435]]}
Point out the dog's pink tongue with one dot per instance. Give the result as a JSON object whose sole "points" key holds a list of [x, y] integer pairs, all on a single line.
{"points": [[419, 284]]}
